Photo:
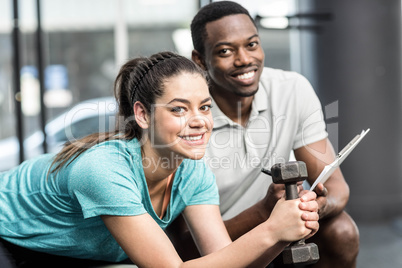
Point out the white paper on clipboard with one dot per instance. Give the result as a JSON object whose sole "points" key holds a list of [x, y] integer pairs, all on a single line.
{"points": [[329, 169]]}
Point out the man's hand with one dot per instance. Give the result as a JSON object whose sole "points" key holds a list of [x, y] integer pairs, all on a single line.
{"points": [[332, 198], [322, 193]]}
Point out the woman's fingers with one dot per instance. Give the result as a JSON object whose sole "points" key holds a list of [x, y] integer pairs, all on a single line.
{"points": [[308, 196], [313, 226], [309, 206]]}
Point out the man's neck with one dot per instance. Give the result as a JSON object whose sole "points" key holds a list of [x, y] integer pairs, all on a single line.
{"points": [[238, 109]]}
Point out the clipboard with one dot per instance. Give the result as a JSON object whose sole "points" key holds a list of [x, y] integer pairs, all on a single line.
{"points": [[341, 156]]}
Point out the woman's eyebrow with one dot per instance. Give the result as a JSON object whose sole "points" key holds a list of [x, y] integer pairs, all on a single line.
{"points": [[179, 100], [206, 100], [186, 101]]}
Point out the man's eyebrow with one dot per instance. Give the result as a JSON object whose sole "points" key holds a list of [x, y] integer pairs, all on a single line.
{"points": [[186, 101], [229, 43], [254, 35]]}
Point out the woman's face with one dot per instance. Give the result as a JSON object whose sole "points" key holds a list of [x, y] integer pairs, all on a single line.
{"points": [[182, 121]]}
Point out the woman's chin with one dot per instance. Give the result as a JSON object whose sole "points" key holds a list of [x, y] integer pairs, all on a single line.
{"points": [[197, 155]]}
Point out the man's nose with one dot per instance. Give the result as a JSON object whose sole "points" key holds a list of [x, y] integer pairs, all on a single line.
{"points": [[242, 58]]}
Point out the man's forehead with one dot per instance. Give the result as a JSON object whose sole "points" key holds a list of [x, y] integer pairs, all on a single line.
{"points": [[230, 28], [235, 20]]}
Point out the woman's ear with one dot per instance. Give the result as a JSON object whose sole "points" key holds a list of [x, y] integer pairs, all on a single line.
{"points": [[141, 115]]}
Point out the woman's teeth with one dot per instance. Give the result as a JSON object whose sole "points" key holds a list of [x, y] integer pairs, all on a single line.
{"points": [[246, 75], [192, 138]]}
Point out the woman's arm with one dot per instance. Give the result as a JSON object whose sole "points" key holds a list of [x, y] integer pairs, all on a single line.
{"points": [[144, 242], [256, 214], [148, 246], [207, 228], [201, 220], [262, 244]]}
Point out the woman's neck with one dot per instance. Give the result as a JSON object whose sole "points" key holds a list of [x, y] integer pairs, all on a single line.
{"points": [[158, 167]]}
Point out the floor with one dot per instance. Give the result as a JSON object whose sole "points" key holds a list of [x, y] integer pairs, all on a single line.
{"points": [[380, 244]]}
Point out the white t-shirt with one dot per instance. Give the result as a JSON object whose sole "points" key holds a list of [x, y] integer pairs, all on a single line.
{"points": [[286, 114]]}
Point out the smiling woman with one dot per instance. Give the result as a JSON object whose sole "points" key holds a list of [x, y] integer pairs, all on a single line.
{"points": [[109, 196], [163, 105], [183, 124]]}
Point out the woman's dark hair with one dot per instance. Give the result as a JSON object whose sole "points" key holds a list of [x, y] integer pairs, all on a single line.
{"points": [[140, 79], [210, 13]]}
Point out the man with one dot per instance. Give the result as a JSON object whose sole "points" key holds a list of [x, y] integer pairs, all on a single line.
{"points": [[261, 115]]}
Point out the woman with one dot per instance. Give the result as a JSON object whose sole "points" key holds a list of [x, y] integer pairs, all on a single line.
{"points": [[109, 196]]}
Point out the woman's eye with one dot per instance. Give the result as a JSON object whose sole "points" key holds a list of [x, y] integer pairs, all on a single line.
{"points": [[178, 110], [206, 107]]}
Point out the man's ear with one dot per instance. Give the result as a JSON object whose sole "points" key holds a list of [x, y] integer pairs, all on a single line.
{"points": [[198, 59], [140, 114]]}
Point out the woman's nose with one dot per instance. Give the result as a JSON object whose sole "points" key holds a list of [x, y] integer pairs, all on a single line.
{"points": [[198, 121]]}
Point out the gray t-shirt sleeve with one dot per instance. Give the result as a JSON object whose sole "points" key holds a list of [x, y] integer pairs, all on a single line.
{"points": [[311, 126]]}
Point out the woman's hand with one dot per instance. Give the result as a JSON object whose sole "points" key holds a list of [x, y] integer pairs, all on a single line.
{"points": [[292, 220], [274, 193], [309, 206]]}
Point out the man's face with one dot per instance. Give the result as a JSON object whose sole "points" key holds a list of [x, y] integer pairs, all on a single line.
{"points": [[234, 58]]}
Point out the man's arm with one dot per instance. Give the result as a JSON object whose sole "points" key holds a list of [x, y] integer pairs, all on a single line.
{"points": [[333, 197]]}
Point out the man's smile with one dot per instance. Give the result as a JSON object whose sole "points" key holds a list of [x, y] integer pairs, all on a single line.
{"points": [[245, 76]]}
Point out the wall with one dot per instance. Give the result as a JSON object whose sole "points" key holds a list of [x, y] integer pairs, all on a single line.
{"points": [[357, 66]]}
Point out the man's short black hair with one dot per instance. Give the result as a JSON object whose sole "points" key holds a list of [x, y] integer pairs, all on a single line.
{"points": [[209, 13]]}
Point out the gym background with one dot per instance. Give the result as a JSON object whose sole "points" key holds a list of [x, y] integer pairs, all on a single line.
{"points": [[56, 54]]}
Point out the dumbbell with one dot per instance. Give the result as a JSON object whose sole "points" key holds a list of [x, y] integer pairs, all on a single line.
{"points": [[289, 174]]}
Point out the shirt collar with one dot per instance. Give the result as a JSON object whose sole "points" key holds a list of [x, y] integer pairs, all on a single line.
{"points": [[220, 119], [259, 104]]}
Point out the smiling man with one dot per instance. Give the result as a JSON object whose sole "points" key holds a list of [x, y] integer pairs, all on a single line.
{"points": [[262, 114]]}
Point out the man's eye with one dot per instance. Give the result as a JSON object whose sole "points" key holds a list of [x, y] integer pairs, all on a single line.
{"points": [[224, 52], [178, 110], [253, 44]]}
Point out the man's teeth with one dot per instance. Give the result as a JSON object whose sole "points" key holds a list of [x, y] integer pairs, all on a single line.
{"points": [[246, 75], [192, 138]]}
